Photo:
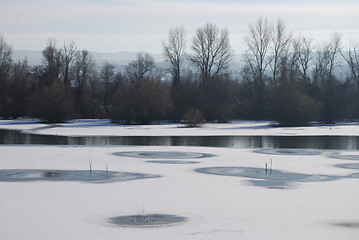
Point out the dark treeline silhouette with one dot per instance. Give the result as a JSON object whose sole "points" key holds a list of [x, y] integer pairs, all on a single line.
{"points": [[283, 78]]}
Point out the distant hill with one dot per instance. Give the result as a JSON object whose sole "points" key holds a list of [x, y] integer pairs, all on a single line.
{"points": [[117, 58], [120, 59], [33, 57]]}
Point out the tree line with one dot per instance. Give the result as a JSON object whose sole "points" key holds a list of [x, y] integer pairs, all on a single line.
{"points": [[284, 78]]}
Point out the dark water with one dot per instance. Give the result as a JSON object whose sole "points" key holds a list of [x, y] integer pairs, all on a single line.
{"points": [[314, 142]]}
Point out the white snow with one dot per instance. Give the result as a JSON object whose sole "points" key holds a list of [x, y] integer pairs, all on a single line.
{"points": [[236, 128], [217, 207]]}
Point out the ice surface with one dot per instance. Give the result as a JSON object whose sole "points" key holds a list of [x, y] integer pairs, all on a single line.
{"points": [[249, 206], [25, 175], [321, 202]]}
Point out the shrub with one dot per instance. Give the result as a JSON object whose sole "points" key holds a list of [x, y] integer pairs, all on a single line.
{"points": [[293, 107], [193, 118]]}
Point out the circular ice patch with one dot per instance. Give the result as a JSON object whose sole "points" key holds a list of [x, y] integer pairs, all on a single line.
{"points": [[162, 155], [23, 175], [173, 162], [258, 173], [266, 178], [345, 157], [354, 166], [347, 224], [354, 175], [287, 151], [147, 220]]}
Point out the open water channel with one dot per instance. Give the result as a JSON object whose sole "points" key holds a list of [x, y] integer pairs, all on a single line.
{"points": [[312, 142]]}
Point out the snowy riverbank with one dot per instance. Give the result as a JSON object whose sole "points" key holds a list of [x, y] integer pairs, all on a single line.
{"points": [[236, 128]]}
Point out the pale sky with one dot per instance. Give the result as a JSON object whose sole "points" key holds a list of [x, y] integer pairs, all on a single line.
{"points": [[140, 25]]}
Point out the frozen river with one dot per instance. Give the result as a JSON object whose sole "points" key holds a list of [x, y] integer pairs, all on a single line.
{"points": [[90, 179]]}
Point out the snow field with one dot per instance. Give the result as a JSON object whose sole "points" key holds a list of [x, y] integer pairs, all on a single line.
{"points": [[217, 207], [236, 128]]}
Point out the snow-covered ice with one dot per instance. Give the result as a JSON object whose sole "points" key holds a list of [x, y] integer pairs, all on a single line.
{"points": [[236, 128], [213, 206]]}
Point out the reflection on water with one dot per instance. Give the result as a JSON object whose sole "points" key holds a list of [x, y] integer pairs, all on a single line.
{"points": [[314, 142]]}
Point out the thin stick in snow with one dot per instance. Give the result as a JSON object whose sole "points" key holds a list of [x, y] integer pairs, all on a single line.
{"points": [[266, 169], [90, 163]]}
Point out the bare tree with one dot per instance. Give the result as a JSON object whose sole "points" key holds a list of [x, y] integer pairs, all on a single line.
{"points": [[5, 57], [351, 56], [52, 61], [5, 61], [257, 42], [329, 86], [84, 65], [212, 51], [321, 65], [257, 61], [326, 60], [84, 69], [141, 67], [302, 48], [68, 54], [174, 50], [5, 67], [334, 48], [281, 41], [108, 75]]}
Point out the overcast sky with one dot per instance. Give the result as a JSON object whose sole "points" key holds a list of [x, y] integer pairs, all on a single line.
{"points": [[141, 25]]}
